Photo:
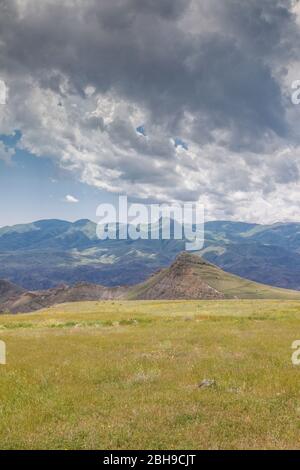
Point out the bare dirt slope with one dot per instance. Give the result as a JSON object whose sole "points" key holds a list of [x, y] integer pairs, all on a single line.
{"points": [[191, 277], [179, 281]]}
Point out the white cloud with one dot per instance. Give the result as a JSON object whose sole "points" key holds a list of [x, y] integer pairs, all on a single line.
{"points": [[71, 199], [221, 89]]}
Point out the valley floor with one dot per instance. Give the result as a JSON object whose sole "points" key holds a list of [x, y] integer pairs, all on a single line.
{"points": [[125, 375]]}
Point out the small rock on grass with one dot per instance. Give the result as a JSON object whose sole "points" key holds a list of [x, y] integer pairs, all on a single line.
{"points": [[206, 383]]}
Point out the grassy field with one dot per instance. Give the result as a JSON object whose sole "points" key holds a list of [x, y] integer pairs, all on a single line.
{"points": [[125, 375]]}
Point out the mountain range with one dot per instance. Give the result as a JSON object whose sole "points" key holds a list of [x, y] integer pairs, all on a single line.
{"points": [[188, 278], [46, 253]]}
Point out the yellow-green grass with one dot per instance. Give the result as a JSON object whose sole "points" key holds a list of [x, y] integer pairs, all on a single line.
{"points": [[125, 375]]}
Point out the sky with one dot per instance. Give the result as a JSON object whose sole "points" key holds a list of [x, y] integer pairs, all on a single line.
{"points": [[162, 101]]}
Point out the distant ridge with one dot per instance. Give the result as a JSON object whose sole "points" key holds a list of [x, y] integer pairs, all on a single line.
{"points": [[9, 291], [26, 301], [188, 278], [46, 253], [192, 277]]}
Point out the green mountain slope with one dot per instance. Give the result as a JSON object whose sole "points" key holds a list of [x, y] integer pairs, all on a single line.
{"points": [[190, 277]]}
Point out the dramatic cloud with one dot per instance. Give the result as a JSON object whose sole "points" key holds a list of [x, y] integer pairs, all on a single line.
{"points": [[3, 93], [167, 100]]}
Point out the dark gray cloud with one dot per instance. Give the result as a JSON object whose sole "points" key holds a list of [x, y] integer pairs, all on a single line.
{"points": [[211, 73], [140, 49]]}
